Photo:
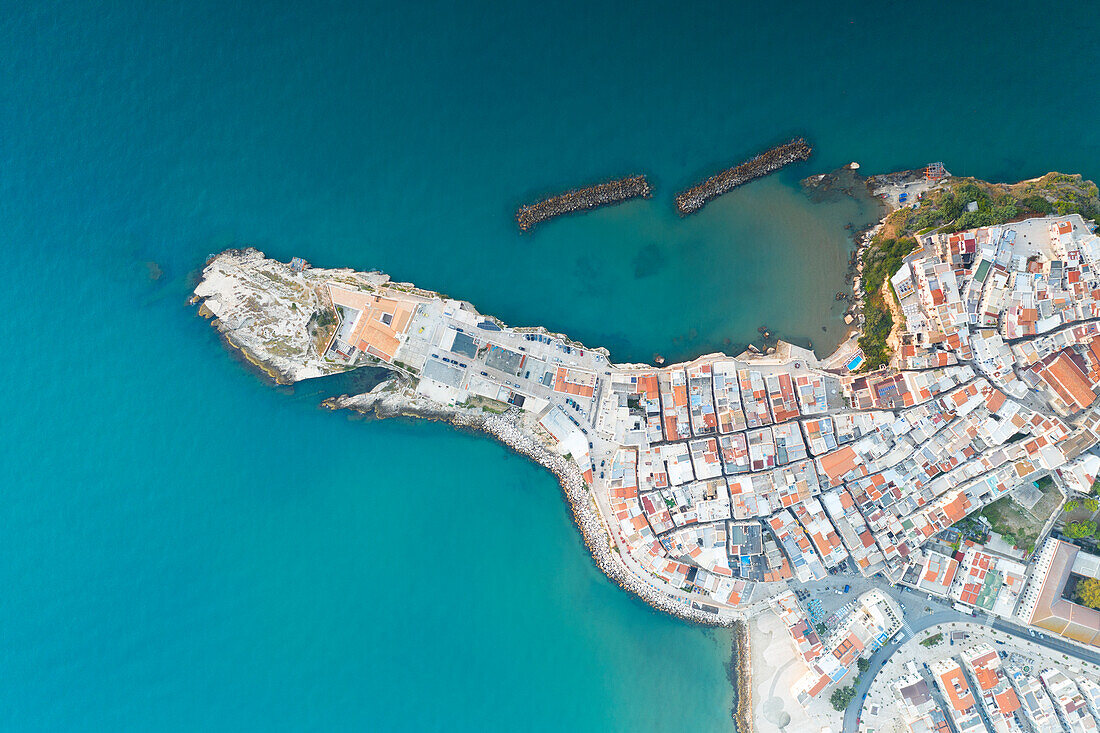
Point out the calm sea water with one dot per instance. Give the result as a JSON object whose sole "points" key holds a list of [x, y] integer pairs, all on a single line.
{"points": [[184, 547]]}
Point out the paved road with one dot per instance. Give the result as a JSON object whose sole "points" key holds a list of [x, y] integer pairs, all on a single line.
{"points": [[879, 658], [1054, 644]]}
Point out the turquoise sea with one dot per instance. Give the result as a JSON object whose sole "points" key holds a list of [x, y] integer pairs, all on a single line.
{"points": [[183, 547]]}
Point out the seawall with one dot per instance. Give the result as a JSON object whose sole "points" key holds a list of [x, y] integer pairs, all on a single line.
{"points": [[741, 677], [509, 430], [582, 199], [692, 199]]}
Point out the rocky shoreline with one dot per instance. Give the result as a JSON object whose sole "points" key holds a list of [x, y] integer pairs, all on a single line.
{"points": [[847, 182], [266, 312], [243, 354], [388, 400], [692, 199], [582, 199]]}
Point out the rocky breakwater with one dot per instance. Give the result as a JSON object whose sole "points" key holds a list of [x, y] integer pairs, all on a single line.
{"points": [[396, 399], [741, 677], [582, 199], [696, 197]]}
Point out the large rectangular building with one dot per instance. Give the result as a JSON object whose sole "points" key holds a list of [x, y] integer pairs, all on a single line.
{"points": [[1044, 604]]}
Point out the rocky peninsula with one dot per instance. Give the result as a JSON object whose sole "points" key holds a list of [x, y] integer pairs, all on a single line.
{"points": [[286, 323]]}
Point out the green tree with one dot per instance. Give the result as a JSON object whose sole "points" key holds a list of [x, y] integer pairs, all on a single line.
{"points": [[1070, 505], [1077, 530], [1088, 592], [932, 640], [1036, 204], [1092, 504], [842, 696], [863, 664]]}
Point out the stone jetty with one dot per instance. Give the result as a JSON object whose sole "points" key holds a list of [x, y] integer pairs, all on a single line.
{"points": [[696, 197], [742, 657], [582, 199]]}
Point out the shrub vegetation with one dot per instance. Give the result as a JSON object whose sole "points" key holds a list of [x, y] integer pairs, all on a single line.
{"points": [[945, 209]]}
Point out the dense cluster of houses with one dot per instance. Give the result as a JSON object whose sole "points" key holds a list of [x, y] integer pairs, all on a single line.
{"points": [[726, 475], [993, 388]]}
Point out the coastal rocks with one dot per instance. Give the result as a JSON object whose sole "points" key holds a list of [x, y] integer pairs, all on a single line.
{"points": [[836, 185], [741, 666], [878, 183], [696, 197], [266, 310], [581, 199]]}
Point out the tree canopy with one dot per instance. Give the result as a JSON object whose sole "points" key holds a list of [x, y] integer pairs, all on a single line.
{"points": [[1088, 592], [842, 696], [1077, 530]]}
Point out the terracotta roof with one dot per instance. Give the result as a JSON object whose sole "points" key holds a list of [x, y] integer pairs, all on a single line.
{"points": [[956, 689], [564, 381], [1055, 613], [838, 463], [1067, 379], [381, 321], [1007, 702], [986, 677]]}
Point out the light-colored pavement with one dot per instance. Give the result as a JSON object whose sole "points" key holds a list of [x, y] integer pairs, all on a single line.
{"points": [[879, 658]]}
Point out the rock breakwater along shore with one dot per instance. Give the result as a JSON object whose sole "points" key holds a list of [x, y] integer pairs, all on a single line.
{"points": [[582, 199], [740, 676], [390, 399], [696, 197]]}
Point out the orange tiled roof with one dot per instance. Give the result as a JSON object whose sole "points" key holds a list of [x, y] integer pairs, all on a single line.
{"points": [[1067, 379], [381, 322]]}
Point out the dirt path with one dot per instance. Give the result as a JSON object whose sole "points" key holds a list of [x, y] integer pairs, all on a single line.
{"points": [[893, 341]]}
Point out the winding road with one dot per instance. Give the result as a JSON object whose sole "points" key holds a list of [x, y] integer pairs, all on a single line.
{"points": [[879, 658]]}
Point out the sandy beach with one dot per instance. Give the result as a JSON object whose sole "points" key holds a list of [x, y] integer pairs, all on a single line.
{"points": [[775, 668]]}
